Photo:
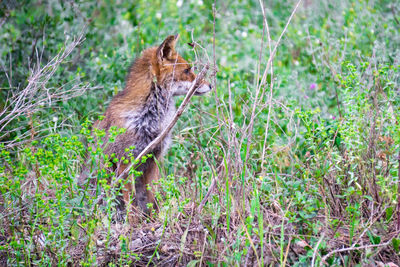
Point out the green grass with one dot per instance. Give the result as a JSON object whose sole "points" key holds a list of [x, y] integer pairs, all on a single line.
{"points": [[304, 172]]}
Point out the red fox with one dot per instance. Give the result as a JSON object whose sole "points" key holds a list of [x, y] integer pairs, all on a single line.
{"points": [[144, 108]]}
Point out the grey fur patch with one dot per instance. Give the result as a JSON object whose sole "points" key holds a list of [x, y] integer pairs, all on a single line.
{"points": [[145, 124]]}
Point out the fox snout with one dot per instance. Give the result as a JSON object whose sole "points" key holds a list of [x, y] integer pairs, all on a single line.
{"points": [[173, 72], [182, 87], [204, 88]]}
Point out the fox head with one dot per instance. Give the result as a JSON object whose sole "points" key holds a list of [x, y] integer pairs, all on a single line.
{"points": [[173, 72]]}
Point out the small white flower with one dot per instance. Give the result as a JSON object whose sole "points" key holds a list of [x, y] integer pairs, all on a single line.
{"points": [[200, 2], [158, 15], [244, 34], [125, 23], [179, 3], [223, 61], [55, 119]]}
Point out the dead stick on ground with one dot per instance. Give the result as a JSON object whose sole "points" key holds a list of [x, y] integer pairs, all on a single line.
{"points": [[323, 260]]}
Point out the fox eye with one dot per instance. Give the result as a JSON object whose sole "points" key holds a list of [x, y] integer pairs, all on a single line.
{"points": [[187, 71]]}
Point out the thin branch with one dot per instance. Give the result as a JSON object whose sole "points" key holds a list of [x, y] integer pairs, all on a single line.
{"points": [[178, 113], [271, 88], [394, 15], [3, 19], [398, 193], [357, 248], [22, 103], [316, 249], [264, 78]]}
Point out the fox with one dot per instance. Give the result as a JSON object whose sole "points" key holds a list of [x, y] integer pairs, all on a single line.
{"points": [[144, 108]]}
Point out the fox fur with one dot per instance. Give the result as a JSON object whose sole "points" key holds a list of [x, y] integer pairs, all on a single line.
{"points": [[144, 108]]}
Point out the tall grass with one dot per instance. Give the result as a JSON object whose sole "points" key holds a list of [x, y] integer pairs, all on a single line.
{"points": [[293, 160]]}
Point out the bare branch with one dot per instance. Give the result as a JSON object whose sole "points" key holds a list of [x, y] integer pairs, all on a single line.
{"points": [[353, 247], [264, 78], [36, 95]]}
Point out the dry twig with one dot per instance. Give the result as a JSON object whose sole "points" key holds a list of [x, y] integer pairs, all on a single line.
{"points": [[36, 95]]}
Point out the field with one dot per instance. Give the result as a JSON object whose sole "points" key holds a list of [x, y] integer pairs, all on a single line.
{"points": [[292, 160]]}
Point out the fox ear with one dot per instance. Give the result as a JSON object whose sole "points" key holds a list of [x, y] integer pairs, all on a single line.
{"points": [[167, 48]]}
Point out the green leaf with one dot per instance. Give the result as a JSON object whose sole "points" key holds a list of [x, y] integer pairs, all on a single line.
{"points": [[373, 238], [389, 213], [193, 263], [396, 244]]}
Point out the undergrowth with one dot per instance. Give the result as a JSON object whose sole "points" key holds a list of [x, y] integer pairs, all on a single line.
{"points": [[297, 167]]}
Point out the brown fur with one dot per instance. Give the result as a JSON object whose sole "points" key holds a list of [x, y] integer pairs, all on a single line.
{"points": [[148, 91]]}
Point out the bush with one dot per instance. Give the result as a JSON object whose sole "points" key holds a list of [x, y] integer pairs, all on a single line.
{"points": [[295, 164]]}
